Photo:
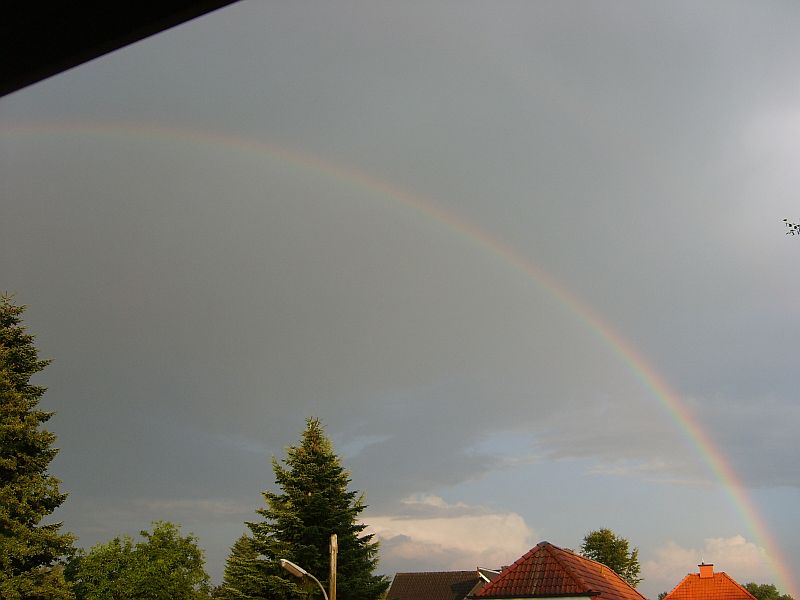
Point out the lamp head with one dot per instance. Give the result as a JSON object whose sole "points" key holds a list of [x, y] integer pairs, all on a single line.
{"points": [[292, 568]]}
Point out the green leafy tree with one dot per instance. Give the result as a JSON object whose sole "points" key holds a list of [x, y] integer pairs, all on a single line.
{"points": [[164, 566], [30, 551], [605, 547], [765, 591], [105, 572], [313, 504]]}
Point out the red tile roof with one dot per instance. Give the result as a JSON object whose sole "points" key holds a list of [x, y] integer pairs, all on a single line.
{"points": [[718, 587], [548, 571], [441, 585]]}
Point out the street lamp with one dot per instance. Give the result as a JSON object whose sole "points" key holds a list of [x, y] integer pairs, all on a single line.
{"points": [[299, 571]]}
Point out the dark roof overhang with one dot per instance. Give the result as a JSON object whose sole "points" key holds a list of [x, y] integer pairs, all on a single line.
{"points": [[41, 39]]}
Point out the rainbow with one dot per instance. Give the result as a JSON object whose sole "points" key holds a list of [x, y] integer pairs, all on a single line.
{"points": [[670, 401]]}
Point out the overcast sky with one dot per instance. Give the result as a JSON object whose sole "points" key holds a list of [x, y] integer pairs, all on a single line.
{"points": [[284, 210]]}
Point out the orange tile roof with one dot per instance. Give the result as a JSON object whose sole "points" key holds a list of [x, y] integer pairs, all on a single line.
{"points": [[718, 587], [547, 571]]}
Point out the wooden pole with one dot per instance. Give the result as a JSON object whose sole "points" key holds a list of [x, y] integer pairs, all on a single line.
{"points": [[332, 582]]}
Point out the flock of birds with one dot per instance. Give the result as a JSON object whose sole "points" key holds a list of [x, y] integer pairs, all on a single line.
{"points": [[794, 228]]}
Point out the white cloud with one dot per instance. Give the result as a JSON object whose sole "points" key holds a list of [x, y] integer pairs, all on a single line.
{"points": [[454, 536], [742, 560]]}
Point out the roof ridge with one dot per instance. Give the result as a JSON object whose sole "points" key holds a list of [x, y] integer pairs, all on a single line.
{"points": [[724, 586], [551, 549], [562, 572], [504, 572], [679, 584], [736, 583], [605, 568]]}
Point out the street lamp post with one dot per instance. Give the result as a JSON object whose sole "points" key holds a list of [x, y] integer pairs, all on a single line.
{"points": [[334, 548], [299, 571]]}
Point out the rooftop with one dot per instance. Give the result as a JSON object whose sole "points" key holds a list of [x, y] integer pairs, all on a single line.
{"points": [[433, 585], [547, 571], [707, 585]]}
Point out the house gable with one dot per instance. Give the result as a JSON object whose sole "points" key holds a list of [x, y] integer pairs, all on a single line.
{"points": [[547, 571], [708, 585]]}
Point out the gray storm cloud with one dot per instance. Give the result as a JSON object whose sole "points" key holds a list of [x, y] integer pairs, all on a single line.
{"points": [[201, 300]]}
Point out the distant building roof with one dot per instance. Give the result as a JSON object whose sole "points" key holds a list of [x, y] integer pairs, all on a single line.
{"points": [[708, 585], [547, 571], [440, 585]]}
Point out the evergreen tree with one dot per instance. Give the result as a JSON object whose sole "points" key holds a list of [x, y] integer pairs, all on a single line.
{"points": [[242, 576], [605, 547], [313, 504], [29, 550]]}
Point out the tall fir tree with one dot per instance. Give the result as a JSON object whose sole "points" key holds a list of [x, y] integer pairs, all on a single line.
{"points": [[298, 522], [30, 551], [242, 578]]}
